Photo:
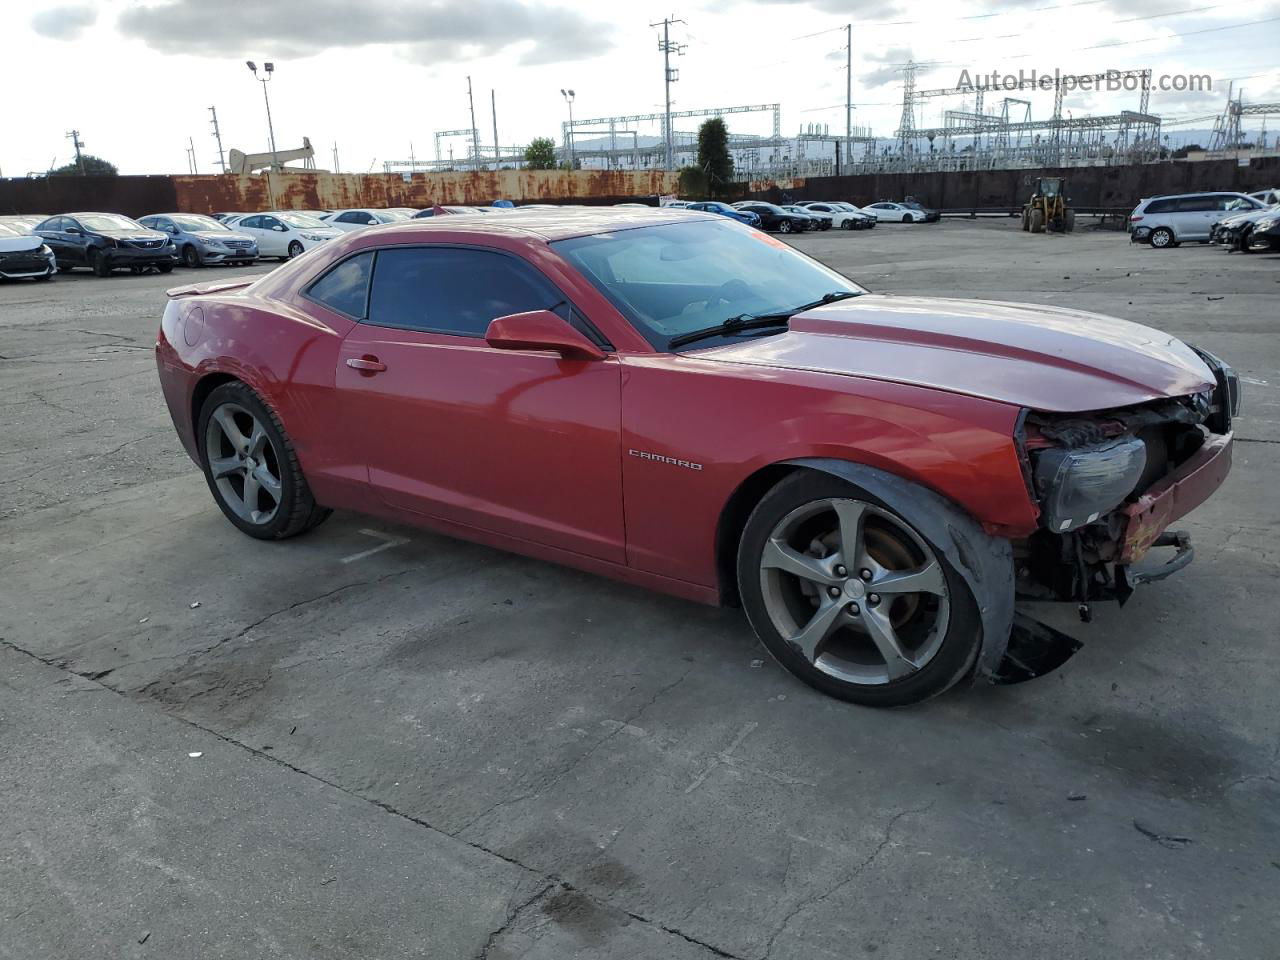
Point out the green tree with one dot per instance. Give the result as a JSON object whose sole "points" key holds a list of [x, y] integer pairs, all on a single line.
{"points": [[713, 154], [693, 182], [93, 166], [540, 154]]}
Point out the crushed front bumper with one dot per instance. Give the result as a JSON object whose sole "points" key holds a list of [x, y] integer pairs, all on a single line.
{"points": [[1174, 496]]}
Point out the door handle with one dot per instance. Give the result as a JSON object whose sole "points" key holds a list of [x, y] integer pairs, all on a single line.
{"points": [[366, 365]]}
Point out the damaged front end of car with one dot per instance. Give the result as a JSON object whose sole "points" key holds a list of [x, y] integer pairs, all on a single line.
{"points": [[1108, 485]]}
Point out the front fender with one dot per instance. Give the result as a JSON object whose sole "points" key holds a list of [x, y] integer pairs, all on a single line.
{"points": [[985, 562]]}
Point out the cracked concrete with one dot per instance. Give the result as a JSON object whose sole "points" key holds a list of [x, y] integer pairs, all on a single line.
{"points": [[515, 760]]}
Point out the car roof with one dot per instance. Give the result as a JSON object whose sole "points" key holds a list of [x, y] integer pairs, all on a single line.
{"points": [[559, 223]]}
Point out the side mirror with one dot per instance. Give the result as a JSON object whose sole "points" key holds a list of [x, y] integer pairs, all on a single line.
{"points": [[540, 330], [74, 231], [278, 228]]}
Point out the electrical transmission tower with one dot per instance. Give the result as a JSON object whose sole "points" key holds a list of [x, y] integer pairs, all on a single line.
{"points": [[669, 76], [907, 125]]}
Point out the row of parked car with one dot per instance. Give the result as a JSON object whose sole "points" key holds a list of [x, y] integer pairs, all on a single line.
{"points": [[1239, 221], [813, 214], [37, 247]]}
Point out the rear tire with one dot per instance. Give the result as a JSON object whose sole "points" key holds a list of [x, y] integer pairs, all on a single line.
{"points": [[251, 467], [785, 226], [1026, 220], [1037, 221], [931, 636], [1069, 221], [1162, 238]]}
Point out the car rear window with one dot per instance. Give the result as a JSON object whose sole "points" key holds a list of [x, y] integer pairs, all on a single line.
{"points": [[453, 290], [345, 288]]}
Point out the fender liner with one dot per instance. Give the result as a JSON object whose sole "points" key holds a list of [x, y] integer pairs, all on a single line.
{"points": [[985, 562]]}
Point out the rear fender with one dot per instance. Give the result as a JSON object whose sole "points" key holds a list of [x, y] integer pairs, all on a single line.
{"points": [[985, 562]]}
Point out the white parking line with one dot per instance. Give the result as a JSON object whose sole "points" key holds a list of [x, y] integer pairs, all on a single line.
{"points": [[389, 542]]}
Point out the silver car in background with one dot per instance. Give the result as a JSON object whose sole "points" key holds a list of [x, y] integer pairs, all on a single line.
{"points": [[202, 240]]}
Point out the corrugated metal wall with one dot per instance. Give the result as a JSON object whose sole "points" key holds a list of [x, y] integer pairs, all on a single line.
{"points": [[138, 196]]}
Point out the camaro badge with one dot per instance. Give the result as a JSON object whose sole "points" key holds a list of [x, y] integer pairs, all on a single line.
{"points": [[645, 455]]}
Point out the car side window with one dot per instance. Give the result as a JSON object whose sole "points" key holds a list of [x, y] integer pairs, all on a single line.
{"points": [[1159, 206], [251, 223], [270, 223], [452, 290], [1197, 204], [345, 288], [352, 216]]}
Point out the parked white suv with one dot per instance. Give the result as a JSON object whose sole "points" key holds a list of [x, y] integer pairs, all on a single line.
{"points": [[1169, 221]]}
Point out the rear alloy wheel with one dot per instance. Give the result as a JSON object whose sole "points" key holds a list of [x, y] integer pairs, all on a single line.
{"points": [[295, 249], [1161, 237], [785, 226], [851, 598], [190, 256], [251, 467]]}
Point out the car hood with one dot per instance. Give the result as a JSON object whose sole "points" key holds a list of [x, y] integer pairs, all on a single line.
{"points": [[20, 244], [143, 234], [221, 235], [1045, 358]]}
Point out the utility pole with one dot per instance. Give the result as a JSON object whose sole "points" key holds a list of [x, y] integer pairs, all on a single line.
{"points": [[475, 134], [669, 76], [335, 156], [568, 131], [848, 90], [497, 151], [217, 135], [74, 137], [191, 145]]}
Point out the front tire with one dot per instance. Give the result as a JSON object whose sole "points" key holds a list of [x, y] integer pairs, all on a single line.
{"points": [[190, 256], [851, 598], [100, 264], [251, 467], [295, 249], [907, 218]]}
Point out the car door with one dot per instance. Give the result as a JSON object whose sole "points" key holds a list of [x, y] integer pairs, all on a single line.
{"points": [[520, 443], [1193, 216], [76, 241], [276, 235], [51, 232]]}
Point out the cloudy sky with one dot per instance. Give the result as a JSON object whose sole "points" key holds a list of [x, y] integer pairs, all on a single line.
{"points": [[136, 77]]}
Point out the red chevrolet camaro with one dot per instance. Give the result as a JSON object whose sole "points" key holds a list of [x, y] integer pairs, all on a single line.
{"points": [[685, 403]]}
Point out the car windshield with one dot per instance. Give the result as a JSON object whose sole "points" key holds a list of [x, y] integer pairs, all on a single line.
{"points": [[6, 231], [676, 278], [197, 224], [108, 221]]}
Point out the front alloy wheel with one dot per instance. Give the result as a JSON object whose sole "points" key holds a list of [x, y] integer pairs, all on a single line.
{"points": [[851, 598]]}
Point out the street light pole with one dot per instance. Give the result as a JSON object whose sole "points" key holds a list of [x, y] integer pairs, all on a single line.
{"points": [[568, 96], [268, 68]]}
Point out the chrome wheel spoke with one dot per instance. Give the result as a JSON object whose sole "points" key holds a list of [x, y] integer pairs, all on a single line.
{"points": [[267, 482], [816, 630], [778, 556], [257, 440], [227, 423], [224, 466], [926, 579], [851, 514], [251, 487], [882, 634]]}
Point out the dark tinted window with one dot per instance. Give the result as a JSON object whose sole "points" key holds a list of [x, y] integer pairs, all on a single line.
{"points": [[345, 288], [1197, 204], [451, 290], [355, 216], [251, 223], [1160, 206]]}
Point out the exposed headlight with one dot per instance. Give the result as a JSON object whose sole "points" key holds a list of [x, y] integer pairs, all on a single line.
{"points": [[1268, 224], [1228, 382], [1078, 486], [45, 251]]}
